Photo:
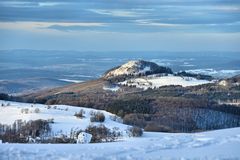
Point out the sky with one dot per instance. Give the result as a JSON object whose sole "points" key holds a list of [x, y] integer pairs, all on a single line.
{"points": [[120, 25]]}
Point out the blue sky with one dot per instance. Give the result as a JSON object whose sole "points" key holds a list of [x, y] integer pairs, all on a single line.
{"points": [[113, 25]]}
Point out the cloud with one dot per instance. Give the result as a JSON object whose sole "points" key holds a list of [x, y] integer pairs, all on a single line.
{"points": [[40, 26], [147, 22], [120, 12], [164, 13], [29, 4], [50, 4], [99, 19], [227, 8], [76, 27]]}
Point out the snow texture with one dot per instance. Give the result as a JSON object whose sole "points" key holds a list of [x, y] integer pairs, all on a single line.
{"points": [[158, 81], [219, 144], [70, 80], [131, 67], [216, 145], [111, 88], [84, 138]]}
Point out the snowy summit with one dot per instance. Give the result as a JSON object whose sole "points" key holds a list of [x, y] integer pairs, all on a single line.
{"points": [[137, 67]]}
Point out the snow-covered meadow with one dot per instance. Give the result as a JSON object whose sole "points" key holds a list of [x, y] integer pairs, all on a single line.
{"points": [[62, 115], [156, 81]]}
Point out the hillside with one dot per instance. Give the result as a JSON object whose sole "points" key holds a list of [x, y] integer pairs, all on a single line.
{"points": [[166, 101], [64, 120]]}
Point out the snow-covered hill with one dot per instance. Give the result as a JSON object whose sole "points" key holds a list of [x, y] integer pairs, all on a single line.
{"points": [[136, 68], [145, 74], [62, 115]]}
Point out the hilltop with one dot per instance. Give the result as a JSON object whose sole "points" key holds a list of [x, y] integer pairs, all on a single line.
{"points": [[138, 67]]}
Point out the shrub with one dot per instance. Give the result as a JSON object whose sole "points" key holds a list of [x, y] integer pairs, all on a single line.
{"points": [[51, 120], [25, 110], [102, 134], [80, 114], [4, 96], [116, 118], [36, 110], [97, 117], [135, 131]]}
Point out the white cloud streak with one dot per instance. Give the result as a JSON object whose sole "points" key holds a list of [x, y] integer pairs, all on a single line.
{"points": [[26, 4], [39, 26], [119, 12]]}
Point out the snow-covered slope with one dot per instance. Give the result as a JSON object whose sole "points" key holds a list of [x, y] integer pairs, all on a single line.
{"points": [[158, 81], [214, 145], [220, 144], [135, 68], [63, 116], [131, 67]]}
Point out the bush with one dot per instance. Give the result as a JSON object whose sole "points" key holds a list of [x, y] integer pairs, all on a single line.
{"points": [[102, 134], [36, 110], [4, 96], [116, 118], [135, 131], [97, 117], [80, 114], [51, 120], [25, 110]]}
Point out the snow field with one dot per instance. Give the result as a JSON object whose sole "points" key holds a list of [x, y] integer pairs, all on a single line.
{"points": [[159, 81], [63, 116]]}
